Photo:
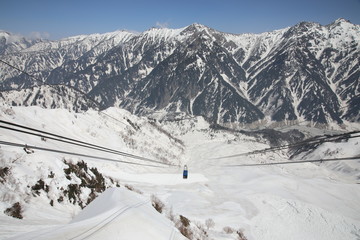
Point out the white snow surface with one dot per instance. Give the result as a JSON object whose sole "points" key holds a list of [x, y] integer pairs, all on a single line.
{"points": [[297, 201], [116, 214]]}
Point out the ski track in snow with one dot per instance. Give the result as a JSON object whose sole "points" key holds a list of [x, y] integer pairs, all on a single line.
{"points": [[305, 201]]}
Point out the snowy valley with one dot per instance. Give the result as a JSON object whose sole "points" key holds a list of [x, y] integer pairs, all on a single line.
{"points": [[295, 201]]}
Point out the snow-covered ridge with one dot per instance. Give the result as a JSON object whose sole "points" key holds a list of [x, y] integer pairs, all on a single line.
{"points": [[162, 33], [49, 96], [115, 209], [88, 41], [284, 68], [339, 29]]}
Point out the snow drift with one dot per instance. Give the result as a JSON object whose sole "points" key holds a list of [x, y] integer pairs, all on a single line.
{"points": [[116, 214]]}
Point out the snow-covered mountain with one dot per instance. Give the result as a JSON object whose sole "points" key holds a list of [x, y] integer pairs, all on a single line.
{"points": [[307, 72], [50, 97], [41, 58]]}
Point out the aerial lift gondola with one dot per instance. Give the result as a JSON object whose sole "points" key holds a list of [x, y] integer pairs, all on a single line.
{"points": [[185, 172]]}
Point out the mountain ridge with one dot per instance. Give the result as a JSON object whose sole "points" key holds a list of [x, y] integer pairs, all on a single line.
{"points": [[305, 72]]}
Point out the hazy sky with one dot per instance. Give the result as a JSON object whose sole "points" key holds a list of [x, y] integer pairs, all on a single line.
{"points": [[55, 19]]}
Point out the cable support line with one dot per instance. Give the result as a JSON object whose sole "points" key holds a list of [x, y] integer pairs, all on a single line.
{"points": [[293, 162], [74, 154], [58, 136], [75, 142], [305, 143], [282, 147], [81, 145], [321, 139]]}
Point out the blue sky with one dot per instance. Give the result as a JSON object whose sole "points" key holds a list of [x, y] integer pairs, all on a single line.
{"points": [[56, 19]]}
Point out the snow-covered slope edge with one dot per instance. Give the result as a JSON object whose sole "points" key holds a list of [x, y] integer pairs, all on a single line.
{"points": [[117, 212]]}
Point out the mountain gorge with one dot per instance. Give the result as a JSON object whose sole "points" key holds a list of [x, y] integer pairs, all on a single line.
{"points": [[307, 72]]}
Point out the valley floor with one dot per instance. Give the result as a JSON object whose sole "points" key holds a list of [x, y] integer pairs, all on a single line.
{"points": [[268, 202]]}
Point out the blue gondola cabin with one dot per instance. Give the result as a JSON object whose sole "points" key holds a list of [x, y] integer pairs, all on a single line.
{"points": [[185, 172]]}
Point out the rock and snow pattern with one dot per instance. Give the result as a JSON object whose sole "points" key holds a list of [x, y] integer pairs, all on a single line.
{"points": [[307, 72]]}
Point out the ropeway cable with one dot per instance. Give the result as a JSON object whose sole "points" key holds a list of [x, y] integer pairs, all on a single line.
{"points": [[75, 142], [302, 143], [73, 153], [293, 162]]}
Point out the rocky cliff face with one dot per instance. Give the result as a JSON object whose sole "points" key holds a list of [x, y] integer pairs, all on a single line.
{"points": [[49, 96], [306, 72]]}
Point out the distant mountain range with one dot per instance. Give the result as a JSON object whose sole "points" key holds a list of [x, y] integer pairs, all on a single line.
{"points": [[307, 72]]}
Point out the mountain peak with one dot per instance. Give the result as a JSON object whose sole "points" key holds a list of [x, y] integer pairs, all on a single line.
{"points": [[161, 33], [341, 20], [344, 27], [4, 33], [342, 23], [306, 25], [11, 38], [196, 27]]}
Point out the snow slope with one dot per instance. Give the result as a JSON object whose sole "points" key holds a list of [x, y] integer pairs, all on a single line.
{"points": [[116, 214], [303, 201], [299, 201]]}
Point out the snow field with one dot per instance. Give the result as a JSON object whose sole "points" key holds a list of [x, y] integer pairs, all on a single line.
{"points": [[299, 201], [274, 202], [116, 214]]}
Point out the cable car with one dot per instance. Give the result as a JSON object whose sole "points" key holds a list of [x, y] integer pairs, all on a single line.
{"points": [[185, 172]]}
